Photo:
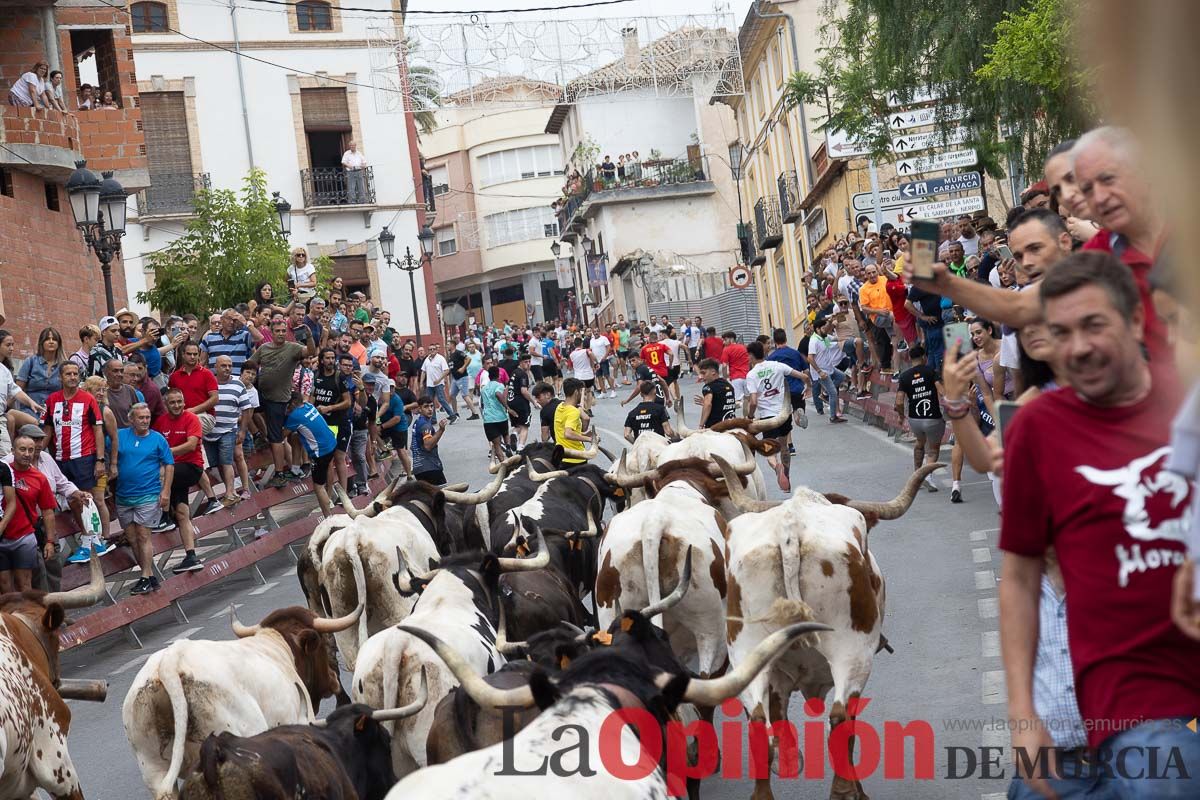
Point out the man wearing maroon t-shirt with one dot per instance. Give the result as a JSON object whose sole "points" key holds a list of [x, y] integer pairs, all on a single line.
{"points": [[1084, 472], [737, 365]]}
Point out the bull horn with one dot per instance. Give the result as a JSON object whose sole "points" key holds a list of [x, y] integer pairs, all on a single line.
{"points": [[746, 468], [540, 561], [770, 423], [338, 624], [590, 532], [617, 608], [681, 428], [82, 596], [456, 487], [503, 645], [482, 496], [713, 691], [392, 714], [620, 467], [476, 687], [507, 463], [239, 630], [573, 628], [895, 508], [404, 585], [671, 600], [607, 454], [590, 453], [627, 480], [738, 494], [539, 477]]}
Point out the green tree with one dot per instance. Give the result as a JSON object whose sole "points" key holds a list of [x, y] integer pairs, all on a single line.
{"points": [[1007, 63], [230, 246]]}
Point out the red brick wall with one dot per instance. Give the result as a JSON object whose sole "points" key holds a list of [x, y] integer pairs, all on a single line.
{"points": [[47, 275], [38, 126]]}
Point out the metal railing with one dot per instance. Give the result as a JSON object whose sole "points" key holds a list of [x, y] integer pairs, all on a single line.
{"points": [[648, 174], [767, 222], [335, 186], [171, 194], [789, 196], [751, 255]]}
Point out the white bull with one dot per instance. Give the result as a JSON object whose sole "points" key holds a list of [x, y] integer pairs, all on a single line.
{"points": [[274, 673], [808, 558]]}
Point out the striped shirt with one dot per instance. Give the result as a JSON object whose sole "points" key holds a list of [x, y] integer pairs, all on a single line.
{"points": [[238, 347], [1053, 676], [74, 421], [232, 400]]}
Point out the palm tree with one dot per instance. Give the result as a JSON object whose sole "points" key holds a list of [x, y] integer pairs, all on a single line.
{"points": [[424, 90]]}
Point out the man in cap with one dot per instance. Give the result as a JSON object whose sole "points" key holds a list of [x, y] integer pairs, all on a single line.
{"points": [[107, 349]]}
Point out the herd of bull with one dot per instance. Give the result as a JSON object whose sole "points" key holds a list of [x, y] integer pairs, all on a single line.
{"points": [[462, 616]]}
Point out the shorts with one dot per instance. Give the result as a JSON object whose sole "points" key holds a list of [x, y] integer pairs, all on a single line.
{"points": [[782, 432], [343, 431], [672, 374], [625, 354], [186, 476], [495, 430], [908, 328], [220, 450], [590, 383], [739, 388], [146, 514], [398, 438], [19, 553], [434, 476], [602, 369], [460, 386], [80, 471], [320, 468], [275, 414], [851, 355], [932, 429], [538, 372], [524, 415]]}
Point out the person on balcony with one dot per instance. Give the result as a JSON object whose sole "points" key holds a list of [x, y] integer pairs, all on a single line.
{"points": [[608, 169], [356, 184], [54, 91], [108, 101], [87, 97], [30, 89]]}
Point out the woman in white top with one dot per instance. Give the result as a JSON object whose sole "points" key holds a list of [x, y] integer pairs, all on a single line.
{"points": [[54, 90], [301, 275], [30, 89], [583, 365]]}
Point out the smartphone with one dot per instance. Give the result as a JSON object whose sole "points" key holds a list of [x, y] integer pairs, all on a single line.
{"points": [[924, 240], [1005, 410], [957, 331], [1005, 252]]}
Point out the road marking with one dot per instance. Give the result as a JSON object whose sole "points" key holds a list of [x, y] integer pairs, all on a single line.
{"points": [[225, 610], [266, 587], [981, 555], [985, 580], [991, 644], [979, 536], [989, 608], [131, 663], [184, 635], [993, 687], [993, 795]]}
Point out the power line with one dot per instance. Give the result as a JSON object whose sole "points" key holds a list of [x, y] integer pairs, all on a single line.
{"points": [[15, 153], [461, 12]]}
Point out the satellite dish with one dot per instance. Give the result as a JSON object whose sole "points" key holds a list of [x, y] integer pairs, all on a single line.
{"points": [[454, 314]]}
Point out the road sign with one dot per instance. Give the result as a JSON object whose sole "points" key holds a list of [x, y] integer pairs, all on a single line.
{"points": [[913, 142], [888, 198], [944, 208], [951, 159], [962, 182], [838, 144], [739, 277], [928, 95], [902, 119]]}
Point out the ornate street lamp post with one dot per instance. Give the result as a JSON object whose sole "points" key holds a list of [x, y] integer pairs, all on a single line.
{"points": [[408, 263], [99, 210]]}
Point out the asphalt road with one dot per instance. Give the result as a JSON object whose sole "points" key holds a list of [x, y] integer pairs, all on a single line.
{"points": [[938, 561]]}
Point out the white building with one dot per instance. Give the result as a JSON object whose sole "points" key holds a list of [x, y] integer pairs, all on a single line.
{"points": [[290, 105]]}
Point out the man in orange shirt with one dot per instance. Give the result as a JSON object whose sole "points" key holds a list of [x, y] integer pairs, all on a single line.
{"points": [[876, 306], [657, 356]]}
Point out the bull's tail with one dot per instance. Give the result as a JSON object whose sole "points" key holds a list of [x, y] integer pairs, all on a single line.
{"points": [[651, 539], [360, 588], [789, 559], [168, 675], [391, 665]]}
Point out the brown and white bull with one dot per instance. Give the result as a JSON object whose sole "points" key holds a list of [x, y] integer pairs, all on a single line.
{"points": [[274, 673], [808, 558], [34, 720]]}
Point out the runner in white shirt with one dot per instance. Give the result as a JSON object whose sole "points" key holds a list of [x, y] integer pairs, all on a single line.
{"points": [[583, 365], [766, 387], [536, 358], [600, 346], [674, 345]]}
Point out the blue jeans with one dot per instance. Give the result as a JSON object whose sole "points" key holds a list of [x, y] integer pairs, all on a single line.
{"points": [[439, 393], [830, 383], [1076, 783], [935, 345]]}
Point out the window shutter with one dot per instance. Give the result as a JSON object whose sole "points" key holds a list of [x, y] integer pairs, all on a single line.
{"points": [[325, 109], [164, 120]]}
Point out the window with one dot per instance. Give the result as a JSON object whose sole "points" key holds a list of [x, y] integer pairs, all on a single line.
{"points": [[440, 177], [6, 186], [446, 244], [52, 196], [148, 17], [522, 163], [313, 15], [520, 225]]}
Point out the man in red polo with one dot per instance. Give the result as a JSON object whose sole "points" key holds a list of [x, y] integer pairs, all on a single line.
{"points": [[181, 428], [199, 388]]}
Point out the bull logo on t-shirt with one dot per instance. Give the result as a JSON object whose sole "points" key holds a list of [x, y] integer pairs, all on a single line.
{"points": [[1156, 508]]}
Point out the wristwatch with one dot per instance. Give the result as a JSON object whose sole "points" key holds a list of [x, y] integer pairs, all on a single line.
{"points": [[100, 461]]}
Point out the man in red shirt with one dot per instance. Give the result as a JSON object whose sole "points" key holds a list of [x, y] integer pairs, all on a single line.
{"points": [[657, 356], [1084, 473], [18, 543], [737, 365], [198, 384], [181, 428], [75, 426], [713, 345]]}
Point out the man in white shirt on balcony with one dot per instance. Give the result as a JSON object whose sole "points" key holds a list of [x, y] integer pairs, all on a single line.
{"points": [[355, 163]]}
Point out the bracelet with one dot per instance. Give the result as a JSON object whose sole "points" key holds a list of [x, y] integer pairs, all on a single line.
{"points": [[958, 413], [956, 405]]}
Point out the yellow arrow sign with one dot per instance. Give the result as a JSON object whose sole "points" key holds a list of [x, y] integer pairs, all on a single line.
{"points": [[1192, 725]]}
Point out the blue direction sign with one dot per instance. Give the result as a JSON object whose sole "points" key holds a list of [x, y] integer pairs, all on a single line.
{"points": [[963, 182]]}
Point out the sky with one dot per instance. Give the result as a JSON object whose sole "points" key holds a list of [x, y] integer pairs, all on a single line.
{"points": [[640, 8]]}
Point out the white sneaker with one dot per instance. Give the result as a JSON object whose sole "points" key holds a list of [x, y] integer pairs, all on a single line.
{"points": [[803, 419], [611, 394]]}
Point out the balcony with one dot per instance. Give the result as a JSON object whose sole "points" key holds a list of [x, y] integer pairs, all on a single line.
{"points": [[647, 180], [333, 187], [751, 255], [767, 223], [45, 143], [789, 197], [171, 195]]}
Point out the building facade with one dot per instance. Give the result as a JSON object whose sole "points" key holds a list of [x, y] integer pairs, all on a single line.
{"points": [[48, 277], [662, 229], [290, 106], [494, 173]]}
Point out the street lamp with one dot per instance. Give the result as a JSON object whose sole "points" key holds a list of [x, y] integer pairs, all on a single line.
{"points": [[99, 210], [409, 263], [737, 154], [555, 248], [284, 210]]}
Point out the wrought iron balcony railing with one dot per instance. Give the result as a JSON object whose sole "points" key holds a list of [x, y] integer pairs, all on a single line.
{"points": [[334, 186], [789, 197], [767, 223], [170, 194]]}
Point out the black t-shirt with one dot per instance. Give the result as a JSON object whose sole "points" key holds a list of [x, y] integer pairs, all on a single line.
{"points": [[409, 367], [518, 380], [647, 416], [369, 411], [929, 303], [458, 364], [547, 416], [6, 479], [723, 405], [644, 373], [327, 391], [919, 386], [509, 365]]}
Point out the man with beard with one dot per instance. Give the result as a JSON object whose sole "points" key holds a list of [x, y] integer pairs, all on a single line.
{"points": [[333, 395]]}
